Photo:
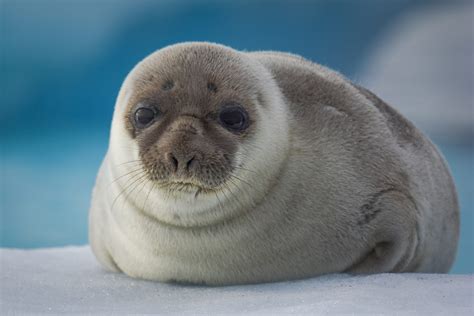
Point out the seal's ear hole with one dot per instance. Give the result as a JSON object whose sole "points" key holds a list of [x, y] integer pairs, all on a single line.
{"points": [[167, 85], [211, 87]]}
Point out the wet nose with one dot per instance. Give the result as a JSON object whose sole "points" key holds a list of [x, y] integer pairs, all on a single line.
{"points": [[181, 161]]}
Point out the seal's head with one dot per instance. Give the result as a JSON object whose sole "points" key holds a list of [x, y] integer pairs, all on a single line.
{"points": [[198, 122]]}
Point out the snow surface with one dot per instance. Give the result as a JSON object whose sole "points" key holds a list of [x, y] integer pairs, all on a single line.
{"points": [[59, 280]]}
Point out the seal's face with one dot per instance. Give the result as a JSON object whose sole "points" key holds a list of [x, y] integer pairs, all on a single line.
{"points": [[207, 128], [189, 121], [189, 143]]}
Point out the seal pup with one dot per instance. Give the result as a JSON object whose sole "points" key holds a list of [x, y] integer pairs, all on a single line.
{"points": [[229, 167]]}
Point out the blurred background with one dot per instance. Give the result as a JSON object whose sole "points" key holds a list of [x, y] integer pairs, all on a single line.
{"points": [[62, 63]]}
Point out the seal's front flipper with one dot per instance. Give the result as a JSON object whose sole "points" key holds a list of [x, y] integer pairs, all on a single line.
{"points": [[393, 240]]}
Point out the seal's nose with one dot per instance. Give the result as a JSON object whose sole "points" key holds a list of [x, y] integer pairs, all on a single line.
{"points": [[181, 161]]}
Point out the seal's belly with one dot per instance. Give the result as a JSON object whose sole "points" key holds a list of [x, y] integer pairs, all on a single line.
{"points": [[215, 257]]}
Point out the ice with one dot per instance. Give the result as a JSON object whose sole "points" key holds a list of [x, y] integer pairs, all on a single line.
{"points": [[69, 280]]}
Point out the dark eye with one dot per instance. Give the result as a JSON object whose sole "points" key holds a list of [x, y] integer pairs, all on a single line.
{"points": [[144, 116], [234, 118]]}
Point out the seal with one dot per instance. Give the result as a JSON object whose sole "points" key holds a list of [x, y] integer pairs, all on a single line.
{"points": [[228, 167]]}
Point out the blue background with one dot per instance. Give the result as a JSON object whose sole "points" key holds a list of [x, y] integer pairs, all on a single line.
{"points": [[62, 63]]}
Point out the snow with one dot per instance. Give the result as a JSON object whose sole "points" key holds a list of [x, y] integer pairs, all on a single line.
{"points": [[69, 280]]}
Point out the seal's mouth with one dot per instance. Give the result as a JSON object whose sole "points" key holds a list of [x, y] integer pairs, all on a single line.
{"points": [[184, 186]]}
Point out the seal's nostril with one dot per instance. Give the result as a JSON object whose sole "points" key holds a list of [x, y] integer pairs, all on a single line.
{"points": [[174, 161], [190, 161], [178, 161]]}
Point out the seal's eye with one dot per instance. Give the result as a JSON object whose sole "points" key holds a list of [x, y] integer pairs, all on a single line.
{"points": [[234, 118], [144, 116]]}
